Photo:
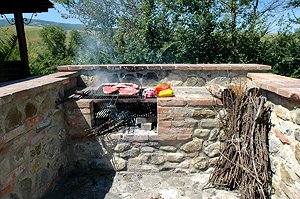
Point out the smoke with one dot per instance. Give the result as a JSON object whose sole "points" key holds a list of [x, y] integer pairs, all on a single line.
{"points": [[95, 49]]}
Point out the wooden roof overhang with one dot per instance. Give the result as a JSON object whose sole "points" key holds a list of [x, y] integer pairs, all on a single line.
{"points": [[24, 6], [18, 7]]}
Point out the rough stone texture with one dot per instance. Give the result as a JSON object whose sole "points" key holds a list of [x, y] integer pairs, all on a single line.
{"points": [[30, 110], [282, 112], [119, 164], [175, 157], [296, 116], [284, 151], [30, 152], [297, 153], [122, 147], [168, 148], [133, 152], [200, 163], [285, 176], [212, 150], [297, 134], [274, 144], [194, 81], [13, 118], [203, 113], [214, 133], [201, 133], [26, 188], [192, 146]]}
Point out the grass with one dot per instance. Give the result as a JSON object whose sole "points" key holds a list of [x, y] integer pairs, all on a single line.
{"points": [[33, 38]]}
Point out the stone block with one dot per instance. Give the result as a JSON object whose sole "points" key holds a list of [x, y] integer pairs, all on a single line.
{"points": [[214, 133], [283, 138], [121, 147], [25, 188], [4, 167], [175, 157], [295, 115], [199, 114], [212, 150], [184, 165], [147, 169], [194, 81], [147, 149], [297, 152], [200, 163], [13, 118], [157, 159], [285, 176], [201, 133], [58, 116], [282, 112], [286, 127], [297, 134], [168, 148], [133, 152], [210, 123], [30, 110], [169, 166], [119, 164], [35, 165], [274, 145], [134, 163], [192, 146], [42, 125]]}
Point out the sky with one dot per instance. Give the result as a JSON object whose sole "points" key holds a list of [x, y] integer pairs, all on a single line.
{"points": [[51, 15], [54, 15]]}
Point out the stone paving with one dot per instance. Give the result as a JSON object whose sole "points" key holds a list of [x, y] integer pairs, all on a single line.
{"points": [[128, 185]]}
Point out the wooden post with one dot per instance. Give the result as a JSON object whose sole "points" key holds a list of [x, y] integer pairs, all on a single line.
{"points": [[22, 43]]}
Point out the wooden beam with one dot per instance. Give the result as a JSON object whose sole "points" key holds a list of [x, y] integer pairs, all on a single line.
{"points": [[22, 43]]}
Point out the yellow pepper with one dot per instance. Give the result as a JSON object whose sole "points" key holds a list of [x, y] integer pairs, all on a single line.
{"points": [[165, 93]]}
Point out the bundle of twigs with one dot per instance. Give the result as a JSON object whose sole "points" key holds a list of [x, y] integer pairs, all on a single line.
{"points": [[244, 161]]}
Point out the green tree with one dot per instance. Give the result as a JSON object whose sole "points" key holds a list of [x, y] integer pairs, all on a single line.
{"points": [[58, 51]]}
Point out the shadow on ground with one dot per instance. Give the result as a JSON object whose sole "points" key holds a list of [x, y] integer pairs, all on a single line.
{"points": [[83, 185]]}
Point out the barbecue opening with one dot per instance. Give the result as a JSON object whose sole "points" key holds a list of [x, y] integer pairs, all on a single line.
{"points": [[130, 117]]}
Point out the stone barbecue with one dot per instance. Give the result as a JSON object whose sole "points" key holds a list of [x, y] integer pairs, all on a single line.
{"points": [[44, 123]]}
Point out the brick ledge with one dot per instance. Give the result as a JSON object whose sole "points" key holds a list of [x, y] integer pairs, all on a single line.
{"points": [[283, 86], [188, 67], [33, 85]]}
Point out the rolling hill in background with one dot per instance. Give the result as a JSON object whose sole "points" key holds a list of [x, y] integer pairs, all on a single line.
{"points": [[42, 23]]}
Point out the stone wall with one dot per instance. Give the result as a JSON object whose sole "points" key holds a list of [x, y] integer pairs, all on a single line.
{"points": [[151, 74], [40, 140], [187, 139], [284, 138], [33, 146]]}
